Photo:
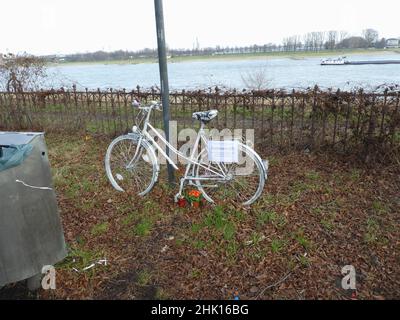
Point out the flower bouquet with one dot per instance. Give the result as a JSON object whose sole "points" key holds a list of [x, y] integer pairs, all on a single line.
{"points": [[194, 197]]}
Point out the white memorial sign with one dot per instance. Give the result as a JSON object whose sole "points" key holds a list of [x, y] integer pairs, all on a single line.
{"points": [[223, 151]]}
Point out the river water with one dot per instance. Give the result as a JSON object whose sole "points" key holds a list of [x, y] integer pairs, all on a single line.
{"points": [[278, 72]]}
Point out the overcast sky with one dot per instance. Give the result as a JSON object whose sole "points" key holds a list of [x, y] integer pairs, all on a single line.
{"points": [[68, 26]]}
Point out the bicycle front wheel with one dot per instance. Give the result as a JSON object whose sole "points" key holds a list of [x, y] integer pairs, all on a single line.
{"points": [[241, 182], [130, 166]]}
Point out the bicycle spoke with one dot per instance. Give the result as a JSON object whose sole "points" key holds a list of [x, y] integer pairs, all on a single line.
{"points": [[239, 185], [127, 168]]}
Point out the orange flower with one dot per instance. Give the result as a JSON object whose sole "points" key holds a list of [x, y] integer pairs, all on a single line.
{"points": [[195, 193]]}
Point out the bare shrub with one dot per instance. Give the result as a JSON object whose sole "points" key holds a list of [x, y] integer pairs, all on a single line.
{"points": [[21, 72], [256, 80]]}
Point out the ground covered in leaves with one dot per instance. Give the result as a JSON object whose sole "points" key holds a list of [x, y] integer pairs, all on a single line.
{"points": [[317, 214]]}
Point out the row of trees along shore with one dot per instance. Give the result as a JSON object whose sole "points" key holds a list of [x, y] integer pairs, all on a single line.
{"points": [[309, 42], [26, 72]]}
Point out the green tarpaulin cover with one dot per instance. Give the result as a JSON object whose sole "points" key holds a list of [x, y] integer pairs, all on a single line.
{"points": [[14, 155]]}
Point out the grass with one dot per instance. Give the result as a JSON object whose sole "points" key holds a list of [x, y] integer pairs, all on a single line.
{"points": [[195, 273], [232, 250], [143, 278], [305, 211], [229, 231], [302, 239], [304, 261], [328, 223], [220, 224], [372, 230], [277, 245], [128, 219], [266, 217], [379, 207], [239, 215], [143, 228], [161, 294], [196, 227], [216, 219], [255, 239], [80, 258], [199, 244], [355, 174], [312, 175], [100, 228], [280, 221], [179, 242]]}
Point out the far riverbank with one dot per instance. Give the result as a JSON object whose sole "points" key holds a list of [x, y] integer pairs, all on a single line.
{"points": [[245, 56]]}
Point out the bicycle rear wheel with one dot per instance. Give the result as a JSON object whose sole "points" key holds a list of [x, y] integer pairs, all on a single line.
{"points": [[243, 182], [131, 167]]}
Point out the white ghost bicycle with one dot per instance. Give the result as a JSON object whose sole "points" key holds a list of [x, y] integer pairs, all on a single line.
{"points": [[131, 162]]}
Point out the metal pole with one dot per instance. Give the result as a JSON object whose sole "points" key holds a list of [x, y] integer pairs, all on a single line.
{"points": [[162, 62]]}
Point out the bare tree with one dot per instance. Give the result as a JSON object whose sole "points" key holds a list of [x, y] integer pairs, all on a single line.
{"points": [[331, 41], [371, 36], [308, 42], [297, 42], [319, 40], [292, 43], [22, 72], [255, 80], [287, 44], [314, 41], [343, 35]]}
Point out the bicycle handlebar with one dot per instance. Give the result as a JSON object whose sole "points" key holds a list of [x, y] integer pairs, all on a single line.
{"points": [[153, 104]]}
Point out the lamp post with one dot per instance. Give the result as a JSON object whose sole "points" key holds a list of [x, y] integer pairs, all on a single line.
{"points": [[162, 62]]}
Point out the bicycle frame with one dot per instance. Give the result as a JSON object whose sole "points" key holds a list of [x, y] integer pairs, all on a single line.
{"points": [[191, 161]]}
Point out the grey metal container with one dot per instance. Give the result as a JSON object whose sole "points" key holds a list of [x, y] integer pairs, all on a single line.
{"points": [[31, 234]]}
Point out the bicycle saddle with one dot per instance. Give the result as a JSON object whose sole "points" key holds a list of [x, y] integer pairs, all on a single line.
{"points": [[205, 116]]}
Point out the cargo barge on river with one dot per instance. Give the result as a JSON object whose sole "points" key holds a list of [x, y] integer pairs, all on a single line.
{"points": [[343, 61]]}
